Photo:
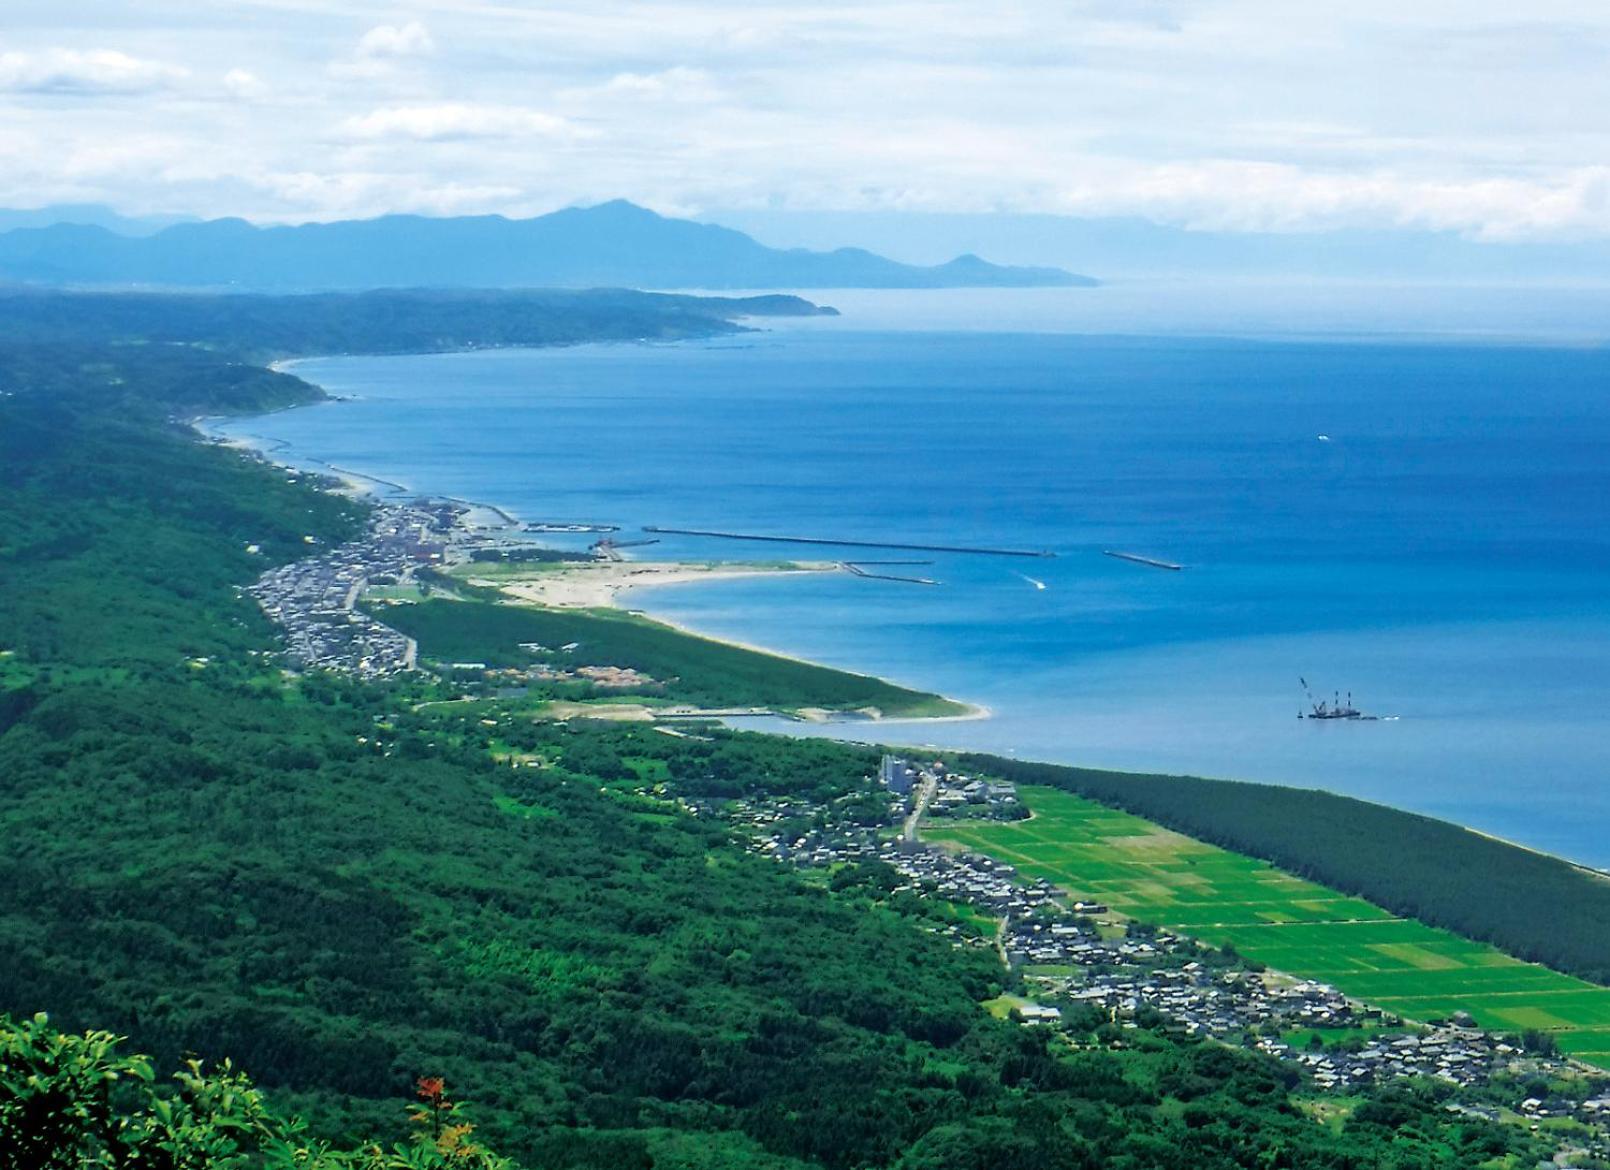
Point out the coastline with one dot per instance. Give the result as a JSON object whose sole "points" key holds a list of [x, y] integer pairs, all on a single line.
{"points": [[551, 590], [1591, 870], [609, 593], [361, 485], [1023, 737], [972, 712]]}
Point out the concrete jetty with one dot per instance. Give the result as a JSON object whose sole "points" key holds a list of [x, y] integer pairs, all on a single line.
{"points": [[1140, 560], [843, 543], [853, 567]]}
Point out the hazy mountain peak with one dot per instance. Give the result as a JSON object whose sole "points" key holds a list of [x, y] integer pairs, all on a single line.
{"points": [[624, 208], [615, 243], [87, 215]]}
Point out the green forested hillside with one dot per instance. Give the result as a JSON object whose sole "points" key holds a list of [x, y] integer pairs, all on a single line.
{"points": [[695, 670], [385, 321], [344, 893]]}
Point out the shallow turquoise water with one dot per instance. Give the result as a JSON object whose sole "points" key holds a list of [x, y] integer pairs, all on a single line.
{"points": [[1443, 555]]}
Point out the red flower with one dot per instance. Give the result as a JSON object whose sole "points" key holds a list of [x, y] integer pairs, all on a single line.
{"points": [[431, 1089]]}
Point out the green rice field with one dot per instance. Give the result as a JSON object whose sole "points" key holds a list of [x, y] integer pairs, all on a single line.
{"points": [[1295, 926]]}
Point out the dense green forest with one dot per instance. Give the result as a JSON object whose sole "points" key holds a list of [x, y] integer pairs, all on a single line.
{"points": [[385, 321], [1534, 906], [691, 669], [345, 892]]}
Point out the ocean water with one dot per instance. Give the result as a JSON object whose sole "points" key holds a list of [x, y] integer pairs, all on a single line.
{"points": [[1442, 554]]}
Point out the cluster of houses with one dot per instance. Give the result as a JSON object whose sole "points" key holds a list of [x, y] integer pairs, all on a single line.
{"points": [[1466, 1056], [970, 878], [1069, 958], [938, 791], [314, 600], [981, 882], [1074, 953]]}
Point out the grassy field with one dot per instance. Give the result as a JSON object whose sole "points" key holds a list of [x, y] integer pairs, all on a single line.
{"points": [[1295, 926], [694, 670]]}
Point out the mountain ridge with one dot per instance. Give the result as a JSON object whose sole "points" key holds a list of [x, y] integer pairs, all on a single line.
{"points": [[609, 244]]}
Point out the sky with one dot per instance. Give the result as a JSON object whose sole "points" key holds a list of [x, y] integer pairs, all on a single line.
{"points": [[1485, 118]]}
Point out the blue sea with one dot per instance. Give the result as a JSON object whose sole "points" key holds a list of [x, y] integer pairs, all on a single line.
{"points": [[1442, 552]]}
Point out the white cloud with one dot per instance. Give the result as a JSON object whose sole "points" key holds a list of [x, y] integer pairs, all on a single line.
{"points": [[71, 71], [392, 40], [1241, 196], [359, 194], [380, 50], [244, 84], [677, 84], [452, 121], [1448, 114]]}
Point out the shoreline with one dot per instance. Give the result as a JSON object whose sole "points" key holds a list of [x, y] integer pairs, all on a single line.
{"points": [[1592, 870], [1075, 756], [972, 713], [608, 594], [551, 590]]}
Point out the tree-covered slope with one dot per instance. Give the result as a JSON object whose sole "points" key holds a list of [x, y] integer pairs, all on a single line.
{"points": [[690, 669], [388, 321]]}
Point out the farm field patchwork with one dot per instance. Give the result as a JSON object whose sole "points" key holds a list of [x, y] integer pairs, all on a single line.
{"points": [[1154, 874]]}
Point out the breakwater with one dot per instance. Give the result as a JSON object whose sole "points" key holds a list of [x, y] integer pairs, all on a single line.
{"points": [[845, 543], [859, 571], [1153, 562]]}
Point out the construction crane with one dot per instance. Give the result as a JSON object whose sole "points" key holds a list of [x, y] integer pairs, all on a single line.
{"points": [[1335, 707]]}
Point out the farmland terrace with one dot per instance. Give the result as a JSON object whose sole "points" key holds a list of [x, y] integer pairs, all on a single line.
{"points": [[1299, 927]]}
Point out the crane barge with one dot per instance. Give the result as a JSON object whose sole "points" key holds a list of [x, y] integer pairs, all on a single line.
{"points": [[1335, 707]]}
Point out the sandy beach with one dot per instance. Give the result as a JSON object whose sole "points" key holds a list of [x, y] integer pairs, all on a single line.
{"points": [[604, 584], [601, 584]]}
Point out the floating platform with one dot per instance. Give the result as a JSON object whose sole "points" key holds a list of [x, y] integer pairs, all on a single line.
{"points": [[840, 543], [1152, 562]]}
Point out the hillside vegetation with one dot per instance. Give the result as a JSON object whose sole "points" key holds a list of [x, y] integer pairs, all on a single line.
{"points": [[691, 669], [261, 328], [77, 1101]]}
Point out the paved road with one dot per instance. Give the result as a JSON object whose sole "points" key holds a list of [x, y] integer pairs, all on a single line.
{"points": [[925, 795]]}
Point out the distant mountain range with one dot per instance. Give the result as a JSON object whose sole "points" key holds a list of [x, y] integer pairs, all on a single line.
{"points": [[1125, 248], [614, 244], [97, 214]]}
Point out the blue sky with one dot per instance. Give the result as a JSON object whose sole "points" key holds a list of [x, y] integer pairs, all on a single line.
{"points": [[1489, 119]]}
